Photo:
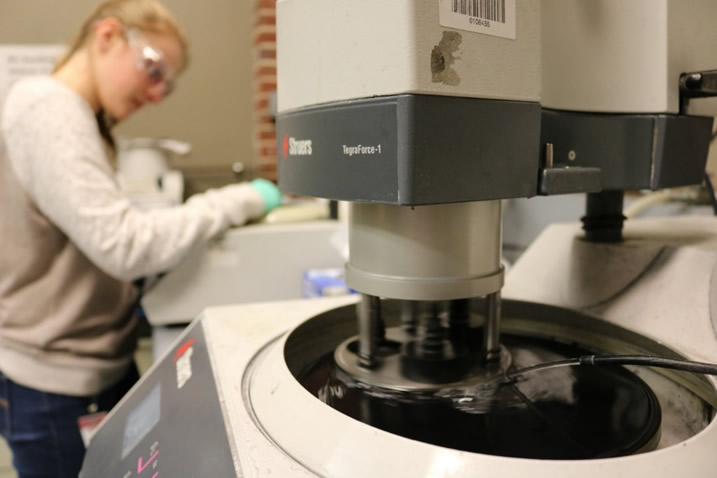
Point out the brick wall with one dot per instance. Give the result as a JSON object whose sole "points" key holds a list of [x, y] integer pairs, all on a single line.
{"points": [[264, 85]]}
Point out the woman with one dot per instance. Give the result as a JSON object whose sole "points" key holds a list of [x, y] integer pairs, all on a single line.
{"points": [[71, 242]]}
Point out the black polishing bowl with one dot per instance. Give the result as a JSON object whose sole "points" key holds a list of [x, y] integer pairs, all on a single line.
{"points": [[562, 413]]}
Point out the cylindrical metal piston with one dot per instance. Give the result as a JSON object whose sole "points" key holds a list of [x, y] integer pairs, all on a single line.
{"points": [[437, 252]]}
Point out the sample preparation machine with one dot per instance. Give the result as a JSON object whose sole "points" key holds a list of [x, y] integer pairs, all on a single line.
{"points": [[425, 115]]}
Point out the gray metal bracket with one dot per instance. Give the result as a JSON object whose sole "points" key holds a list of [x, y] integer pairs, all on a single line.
{"points": [[569, 180], [566, 179]]}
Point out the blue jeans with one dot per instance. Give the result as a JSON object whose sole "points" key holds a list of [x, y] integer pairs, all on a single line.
{"points": [[41, 428]]}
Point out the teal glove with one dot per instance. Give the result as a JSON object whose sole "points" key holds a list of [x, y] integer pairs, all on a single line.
{"points": [[268, 192]]}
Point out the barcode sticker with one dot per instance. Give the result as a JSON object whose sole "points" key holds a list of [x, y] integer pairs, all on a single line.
{"points": [[491, 17]]}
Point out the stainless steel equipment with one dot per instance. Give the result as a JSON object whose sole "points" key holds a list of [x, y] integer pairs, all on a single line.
{"points": [[425, 122]]}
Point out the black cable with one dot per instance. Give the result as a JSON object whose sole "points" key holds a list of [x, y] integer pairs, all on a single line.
{"points": [[646, 360]]}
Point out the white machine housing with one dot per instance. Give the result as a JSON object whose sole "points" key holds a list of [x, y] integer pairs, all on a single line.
{"points": [[623, 56], [379, 48], [274, 427], [236, 268]]}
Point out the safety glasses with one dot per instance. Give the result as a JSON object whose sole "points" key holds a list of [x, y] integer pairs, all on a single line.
{"points": [[151, 60]]}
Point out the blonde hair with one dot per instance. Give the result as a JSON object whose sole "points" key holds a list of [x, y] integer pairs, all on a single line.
{"points": [[145, 15]]}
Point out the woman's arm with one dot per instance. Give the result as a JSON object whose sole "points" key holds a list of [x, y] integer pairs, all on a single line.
{"points": [[57, 154]]}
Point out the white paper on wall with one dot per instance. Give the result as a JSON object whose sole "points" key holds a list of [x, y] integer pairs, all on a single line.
{"points": [[19, 61]]}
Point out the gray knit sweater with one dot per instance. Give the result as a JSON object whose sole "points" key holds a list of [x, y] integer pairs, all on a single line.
{"points": [[70, 242]]}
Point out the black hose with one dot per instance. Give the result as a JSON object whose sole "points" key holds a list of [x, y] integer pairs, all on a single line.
{"points": [[708, 182], [711, 192], [646, 360]]}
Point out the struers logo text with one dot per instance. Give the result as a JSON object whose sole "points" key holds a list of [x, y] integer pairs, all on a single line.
{"points": [[295, 147]]}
